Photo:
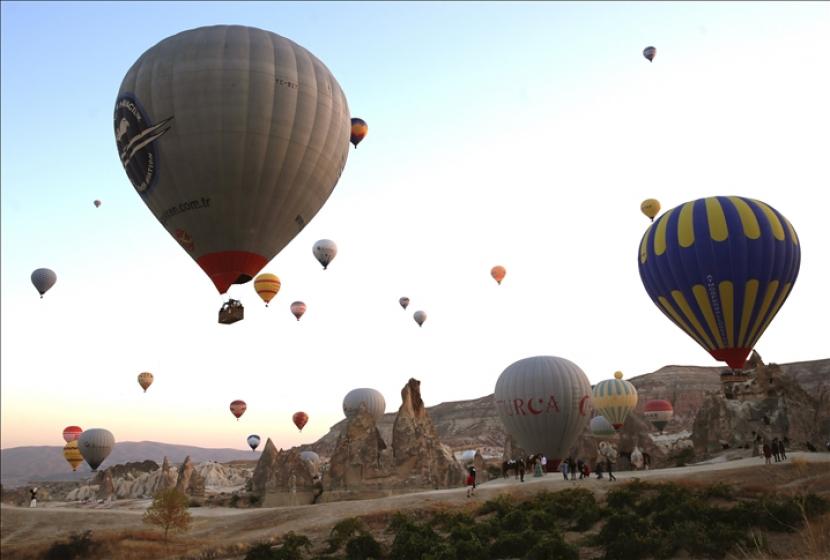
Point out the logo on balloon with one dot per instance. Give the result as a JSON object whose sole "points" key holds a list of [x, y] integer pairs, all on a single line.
{"points": [[532, 405], [184, 239], [135, 137]]}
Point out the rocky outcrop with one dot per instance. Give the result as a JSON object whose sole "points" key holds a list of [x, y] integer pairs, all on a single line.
{"points": [[360, 455], [189, 481], [281, 472], [420, 457], [512, 450], [106, 488]]}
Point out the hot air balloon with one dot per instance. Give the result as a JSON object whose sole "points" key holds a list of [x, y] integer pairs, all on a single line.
{"points": [[72, 454], [97, 203], [267, 286], [658, 412], [614, 399], [253, 441], [43, 279], [298, 309], [650, 207], [238, 408], [637, 458], [545, 403], [300, 420], [420, 317], [468, 456], [95, 445], [498, 273], [601, 428], [324, 251], [720, 268], [359, 131], [404, 301], [649, 53], [145, 379], [71, 433], [310, 457], [234, 137], [373, 399]]}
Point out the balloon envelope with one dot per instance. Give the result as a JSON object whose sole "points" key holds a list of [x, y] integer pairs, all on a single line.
{"points": [[95, 445], [601, 428], [614, 399], [720, 268], [97, 203], [404, 301], [359, 131], [658, 412], [267, 286], [43, 279], [145, 379], [253, 441], [498, 273], [300, 419], [310, 457], [545, 403], [234, 137], [468, 456], [72, 454], [238, 408], [650, 207], [420, 317], [373, 399], [71, 433], [298, 309], [324, 251], [649, 53]]}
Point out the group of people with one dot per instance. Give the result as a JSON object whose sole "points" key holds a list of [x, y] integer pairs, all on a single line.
{"points": [[776, 449], [573, 466]]}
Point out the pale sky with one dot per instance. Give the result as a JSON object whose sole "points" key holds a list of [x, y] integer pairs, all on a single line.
{"points": [[499, 133]]}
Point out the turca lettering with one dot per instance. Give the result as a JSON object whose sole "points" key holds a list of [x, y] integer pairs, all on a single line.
{"points": [[184, 207], [532, 406]]}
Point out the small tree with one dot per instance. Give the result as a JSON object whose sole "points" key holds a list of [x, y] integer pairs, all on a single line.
{"points": [[169, 511]]}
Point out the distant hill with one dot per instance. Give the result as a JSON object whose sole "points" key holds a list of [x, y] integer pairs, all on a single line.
{"points": [[19, 465]]}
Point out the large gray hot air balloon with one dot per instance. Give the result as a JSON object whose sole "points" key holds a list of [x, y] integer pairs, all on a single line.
{"points": [[95, 445], [43, 279], [375, 403], [545, 403], [234, 137]]}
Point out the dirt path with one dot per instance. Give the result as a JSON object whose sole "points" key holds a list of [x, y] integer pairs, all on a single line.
{"points": [[21, 526]]}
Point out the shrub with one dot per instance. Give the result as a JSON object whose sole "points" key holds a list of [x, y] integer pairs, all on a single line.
{"points": [[514, 545], [288, 550], [501, 504], [343, 531], [80, 545], [553, 547], [169, 512], [363, 547], [413, 541]]}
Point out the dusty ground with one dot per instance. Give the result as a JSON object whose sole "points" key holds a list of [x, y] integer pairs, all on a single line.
{"points": [[25, 530]]}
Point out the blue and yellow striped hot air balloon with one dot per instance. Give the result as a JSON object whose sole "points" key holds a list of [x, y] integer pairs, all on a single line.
{"points": [[720, 268], [614, 399]]}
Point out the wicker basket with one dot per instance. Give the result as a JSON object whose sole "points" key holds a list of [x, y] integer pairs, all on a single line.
{"points": [[231, 312]]}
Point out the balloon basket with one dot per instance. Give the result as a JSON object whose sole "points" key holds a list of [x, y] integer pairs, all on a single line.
{"points": [[231, 312]]}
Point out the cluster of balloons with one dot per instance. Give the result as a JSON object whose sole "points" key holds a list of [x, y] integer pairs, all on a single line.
{"points": [[93, 446]]}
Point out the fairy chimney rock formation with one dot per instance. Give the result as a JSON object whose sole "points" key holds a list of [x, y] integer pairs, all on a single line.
{"points": [[420, 458], [281, 472], [106, 488], [189, 480], [359, 454]]}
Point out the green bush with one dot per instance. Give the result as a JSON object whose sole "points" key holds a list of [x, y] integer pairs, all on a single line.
{"points": [[343, 531], [363, 547], [501, 505], [412, 541], [575, 508], [624, 536], [553, 547], [514, 545]]}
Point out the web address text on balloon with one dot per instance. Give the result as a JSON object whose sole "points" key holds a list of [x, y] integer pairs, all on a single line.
{"points": [[184, 207]]}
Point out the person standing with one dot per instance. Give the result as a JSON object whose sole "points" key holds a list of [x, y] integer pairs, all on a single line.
{"points": [[318, 488], [775, 450], [767, 454], [33, 501], [563, 466], [610, 469], [522, 469], [471, 481], [781, 450], [544, 464]]}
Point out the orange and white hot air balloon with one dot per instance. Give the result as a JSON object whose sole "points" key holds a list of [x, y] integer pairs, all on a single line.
{"points": [[300, 420], [498, 273], [298, 309], [145, 379], [267, 286], [71, 433], [238, 408], [359, 131]]}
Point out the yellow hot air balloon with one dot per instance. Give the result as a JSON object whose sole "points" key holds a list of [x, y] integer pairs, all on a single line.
{"points": [[267, 286], [614, 399], [145, 379], [498, 273], [650, 207], [72, 454]]}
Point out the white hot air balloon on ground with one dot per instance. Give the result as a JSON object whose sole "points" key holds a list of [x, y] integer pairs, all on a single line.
{"points": [[95, 445], [544, 403], [324, 251], [234, 137], [373, 399]]}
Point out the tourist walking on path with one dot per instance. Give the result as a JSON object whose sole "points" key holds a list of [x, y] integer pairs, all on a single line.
{"points": [[544, 465], [599, 470], [775, 450], [471, 481], [563, 466], [781, 450], [610, 469], [33, 501], [522, 469], [767, 454]]}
